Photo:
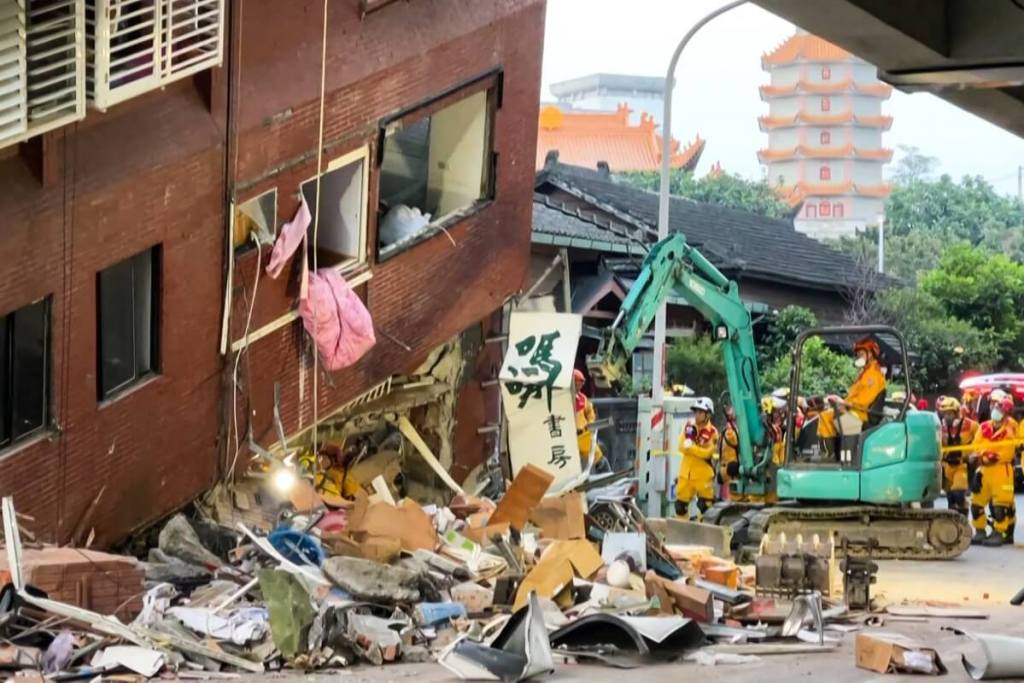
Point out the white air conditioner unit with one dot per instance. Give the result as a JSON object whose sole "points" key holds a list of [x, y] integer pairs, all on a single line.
{"points": [[42, 66], [135, 46]]}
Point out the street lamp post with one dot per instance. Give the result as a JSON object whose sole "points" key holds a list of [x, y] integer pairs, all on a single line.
{"points": [[657, 380], [881, 243]]}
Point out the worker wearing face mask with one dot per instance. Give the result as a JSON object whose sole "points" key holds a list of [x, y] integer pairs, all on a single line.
{"points": [[993, 484], [870, 383], [956, 430], [697, 444]]}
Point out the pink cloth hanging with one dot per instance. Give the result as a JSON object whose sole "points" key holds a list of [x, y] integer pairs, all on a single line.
{"points": [[292, 235], [335, 317]]}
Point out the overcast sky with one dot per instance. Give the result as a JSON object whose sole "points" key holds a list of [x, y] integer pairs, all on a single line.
{"points": [[717, 79]]}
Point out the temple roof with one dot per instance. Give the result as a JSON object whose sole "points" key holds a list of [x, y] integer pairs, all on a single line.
{"points": [[585, 138], [794, 194], [805, 47], [848, 85], [809, 152], [803, 117]]}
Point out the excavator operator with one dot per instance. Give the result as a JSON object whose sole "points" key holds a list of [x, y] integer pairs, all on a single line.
{"points": [[698, 444], [863, 392], [992, 485]]}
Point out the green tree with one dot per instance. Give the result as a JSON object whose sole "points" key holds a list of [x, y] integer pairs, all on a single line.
{"points": [[697, 362], [822, 371], [782, 331], [907, 257], [943, 345], [967, 210], [724, 189], [985, 291]]}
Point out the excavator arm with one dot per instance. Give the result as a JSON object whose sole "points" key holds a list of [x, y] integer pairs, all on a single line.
{"points": [[672, 267]]}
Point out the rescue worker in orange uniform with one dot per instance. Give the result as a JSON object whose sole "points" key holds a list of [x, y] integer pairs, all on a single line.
{"points": [[728, 457], [865, 389], [698, 444], [993, 484], [585, 414], [956, 430]]}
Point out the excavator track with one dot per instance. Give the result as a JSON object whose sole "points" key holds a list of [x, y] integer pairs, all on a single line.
{"points": [[901, 533]]}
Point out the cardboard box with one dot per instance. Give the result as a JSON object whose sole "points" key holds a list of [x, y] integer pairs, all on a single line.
{"points": [[407, 522], [692, 601], [526, 491], [561, 517], [556, 568], [895, 653]]}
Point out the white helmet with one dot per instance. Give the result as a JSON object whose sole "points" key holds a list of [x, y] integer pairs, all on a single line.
{"points": [[997, 395], [704, 403]]}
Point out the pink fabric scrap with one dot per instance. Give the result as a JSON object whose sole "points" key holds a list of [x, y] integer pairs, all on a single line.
{"points": [[292, 235], [337, 320]]}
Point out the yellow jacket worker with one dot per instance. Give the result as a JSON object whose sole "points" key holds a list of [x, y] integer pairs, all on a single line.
{"points": [[585, 414], [698, 444], [864, 390], [993, 485], [956, 430]]}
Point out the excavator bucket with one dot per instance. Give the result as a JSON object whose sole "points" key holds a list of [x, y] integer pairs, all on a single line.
{"points": [[604, 374]]}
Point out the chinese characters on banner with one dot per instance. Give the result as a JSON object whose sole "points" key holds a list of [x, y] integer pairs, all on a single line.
{"points": [[538, 393]]}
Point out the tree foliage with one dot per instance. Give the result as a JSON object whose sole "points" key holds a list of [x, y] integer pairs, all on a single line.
{"points": [[968, 210], [724, 189], [944, 345], [822, 371], [697, 362], [782, 330], [912, 166]]}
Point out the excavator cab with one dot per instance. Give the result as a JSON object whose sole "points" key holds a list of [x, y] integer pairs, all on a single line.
{"points": [[883, 459]]}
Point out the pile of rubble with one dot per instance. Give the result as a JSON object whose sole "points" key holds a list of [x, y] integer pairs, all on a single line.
{"points": [[494, 591]]}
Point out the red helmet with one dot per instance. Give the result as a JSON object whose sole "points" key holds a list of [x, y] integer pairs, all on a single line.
{"points": [[1006, 405], [870, 345], [577, 375]]}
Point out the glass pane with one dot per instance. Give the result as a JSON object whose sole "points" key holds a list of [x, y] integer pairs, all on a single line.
{"points": [[143, 300], [338, 238], [458, 155], [5, 382], [403, 179], [117, 359], [29, 369]]}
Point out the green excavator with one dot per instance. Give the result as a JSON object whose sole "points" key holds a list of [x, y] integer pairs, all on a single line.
{"points": [[874, 485]]}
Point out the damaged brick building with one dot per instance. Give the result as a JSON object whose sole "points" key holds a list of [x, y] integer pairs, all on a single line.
{"points": [[140, 338]]}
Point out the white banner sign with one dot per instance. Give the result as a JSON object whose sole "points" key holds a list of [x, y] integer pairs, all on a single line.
{"points": [[539, 395]]}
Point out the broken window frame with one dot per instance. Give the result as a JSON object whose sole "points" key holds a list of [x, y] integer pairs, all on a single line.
{"points": [[490, 83], [267, 239], [9, 366], [140, 371], [352, 264]]}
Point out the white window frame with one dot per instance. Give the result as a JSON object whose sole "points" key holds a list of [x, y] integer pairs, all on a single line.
{"points": [[102, 94], [18, 77], [363, 154]]}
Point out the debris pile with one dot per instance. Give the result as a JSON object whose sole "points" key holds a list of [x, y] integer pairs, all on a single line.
{"points": [[489, 590]]}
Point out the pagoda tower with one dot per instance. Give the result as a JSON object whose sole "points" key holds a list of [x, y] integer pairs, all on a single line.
{"points": [[825, 126]]}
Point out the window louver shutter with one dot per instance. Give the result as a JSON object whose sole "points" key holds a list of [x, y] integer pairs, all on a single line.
{"points": [[55, 64], [13, 100], [139, 45], [41, 66]]}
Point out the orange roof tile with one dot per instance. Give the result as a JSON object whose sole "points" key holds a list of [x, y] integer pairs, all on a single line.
{"points": [[804, 47], [809, 152], [877, 89], [585, 138], [715, 170], [794, 194], [768, 122]]}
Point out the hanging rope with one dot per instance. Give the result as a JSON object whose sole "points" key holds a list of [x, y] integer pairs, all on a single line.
{"points": [[316, 226]]}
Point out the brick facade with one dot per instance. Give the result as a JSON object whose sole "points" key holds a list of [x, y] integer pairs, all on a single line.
{"points": [[158, 170]]}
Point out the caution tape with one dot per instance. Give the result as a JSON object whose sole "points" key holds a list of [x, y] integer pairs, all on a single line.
{"points": [[980, 446]]}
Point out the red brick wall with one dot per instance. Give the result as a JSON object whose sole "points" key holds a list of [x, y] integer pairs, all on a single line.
{"points": [[433, 290], [157, 169]]}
